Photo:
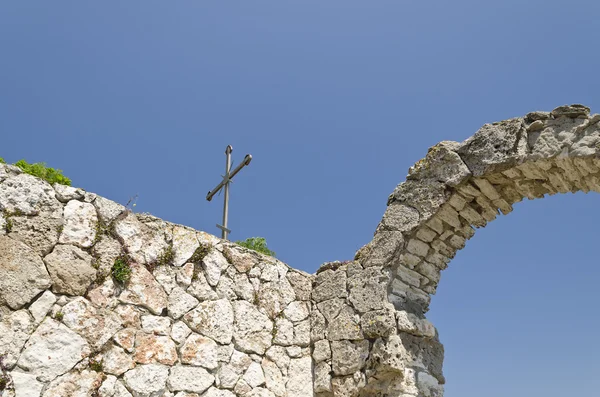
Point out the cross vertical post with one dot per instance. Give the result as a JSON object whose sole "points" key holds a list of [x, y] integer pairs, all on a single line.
{"points": [[225, 184]]}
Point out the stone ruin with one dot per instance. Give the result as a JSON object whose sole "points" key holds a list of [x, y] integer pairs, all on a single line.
{"points": [[200, 316]]}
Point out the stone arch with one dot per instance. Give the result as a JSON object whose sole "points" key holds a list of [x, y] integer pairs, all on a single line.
{"points": [[455, 189]]}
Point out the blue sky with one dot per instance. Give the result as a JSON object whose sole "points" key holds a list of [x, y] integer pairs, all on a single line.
{"points": [[335, 100]]}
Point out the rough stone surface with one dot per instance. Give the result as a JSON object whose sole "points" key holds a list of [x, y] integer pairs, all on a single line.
{"points": [[236, 323], [142, 289], [147, 380], [23, 273], [52, 350], [71, 270], [80, 224]]}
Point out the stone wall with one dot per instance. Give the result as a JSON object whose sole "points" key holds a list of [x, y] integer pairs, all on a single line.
{"points": [[200, 316]]}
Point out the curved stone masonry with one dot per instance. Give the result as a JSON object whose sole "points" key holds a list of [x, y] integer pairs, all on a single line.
{"points": [[204, 317]]}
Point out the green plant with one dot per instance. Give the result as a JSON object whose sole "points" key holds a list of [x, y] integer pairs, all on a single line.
{"points": [[258, 244], [121, 270], [200, 253], [166, 257], [2, 161], [40, 170], [96, 365], [8, 225], [59, 316]]}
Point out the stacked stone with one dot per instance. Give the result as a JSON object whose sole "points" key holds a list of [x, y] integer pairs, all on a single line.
{"points": [[458, 187], [200, 316], [232, 323]]}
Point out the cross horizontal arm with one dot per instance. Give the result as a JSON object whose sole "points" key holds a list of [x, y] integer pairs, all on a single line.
{"points": [[227, 178]]}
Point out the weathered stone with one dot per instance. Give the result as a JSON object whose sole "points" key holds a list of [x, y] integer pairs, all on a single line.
{"points": [[42, 306], [190, 379], [27, 195], [74, 384], [284, 332], [40, 232], [399, 217], [15, 329], [254, 375], [111, 387], [350, 386], [252, 330], [115, 361], [52, 350], [322, 377], [442, 164], [142, 289], [166, 277], [23, 273], [147, 380], [297, 311], [70, 269], [214, 263], [322, 351], [274, 296], [144, 243], [214, 392], [273, 377], [185, 275], [410, 323], [349, 357], [107, 209], [329, 284], [180, 331], [26, 385], [106, 251], [104, 296], [368, 289], [80, 224], [154, 349], [213, 319], [572, 111], [301, 283], [185, 243], [200, 351], [378, 323], [157, 325], [126, 338], [201, 289], [299, 382], [495, 147], [129, 315], [96, 325]]}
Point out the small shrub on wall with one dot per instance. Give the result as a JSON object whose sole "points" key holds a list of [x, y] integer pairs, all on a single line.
{"points": [[258, 244]]}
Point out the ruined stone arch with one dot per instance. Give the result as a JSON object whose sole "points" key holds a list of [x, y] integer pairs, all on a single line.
{"points": [[206, 315], [455, 189]]}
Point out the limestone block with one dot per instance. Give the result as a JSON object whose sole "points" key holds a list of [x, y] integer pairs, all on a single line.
{"points": [[147, 380], [27, 195], [15, 329], [213, 319], [252, 330], [142, 289], [189, 379], [96, 325], [52, 350], [24, 275], [151, 349], [76, 384], [199, 351], [79, 225], [71, 270]]}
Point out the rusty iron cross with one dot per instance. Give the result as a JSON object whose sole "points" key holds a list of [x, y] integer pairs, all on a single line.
{"points": [[225, 183]]}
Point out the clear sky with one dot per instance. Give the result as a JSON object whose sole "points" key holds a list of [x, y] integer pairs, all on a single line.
{"points": [[335, 100]]}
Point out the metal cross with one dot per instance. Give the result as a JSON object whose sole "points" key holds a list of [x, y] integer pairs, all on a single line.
{"points": [[225, 182]]}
